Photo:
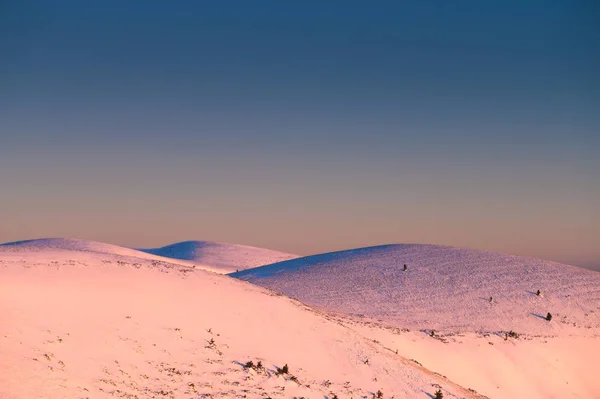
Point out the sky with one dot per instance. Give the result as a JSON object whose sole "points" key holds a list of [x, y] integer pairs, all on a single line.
{"points": [[305, 127]]}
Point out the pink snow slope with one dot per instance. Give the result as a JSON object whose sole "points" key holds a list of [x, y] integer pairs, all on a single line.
{"points": [[77, 324]]}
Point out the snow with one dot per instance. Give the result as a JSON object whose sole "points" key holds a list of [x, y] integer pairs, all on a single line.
{"points": [[212, 256], [95, 324], [81, 319], [69, 244], [448, 290], [443, 288], [223, 256]]}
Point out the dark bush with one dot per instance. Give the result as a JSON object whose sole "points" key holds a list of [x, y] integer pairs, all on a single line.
{"points": [[283, 370], [512, 334]]}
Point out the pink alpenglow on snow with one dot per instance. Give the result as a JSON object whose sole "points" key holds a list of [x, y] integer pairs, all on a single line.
{"points": [[91, 320], [222, 256], [213, 256], [439, 312], [79, 323]]}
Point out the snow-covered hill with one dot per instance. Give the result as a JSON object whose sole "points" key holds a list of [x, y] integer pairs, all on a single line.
{"points": [[439, 313], [223, 256], [443, 288], [55, 249], [83, 324], [69, 244], [211, 256], [91, 320]]}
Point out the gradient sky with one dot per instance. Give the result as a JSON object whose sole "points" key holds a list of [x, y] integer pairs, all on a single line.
{"points": [[303, 126]]}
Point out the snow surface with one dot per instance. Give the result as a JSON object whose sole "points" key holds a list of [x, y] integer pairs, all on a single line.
{"points": [[212, 256], [448, 290], [69, 244], [443, 288], [90, 320], [223, 256], [91, 324]]}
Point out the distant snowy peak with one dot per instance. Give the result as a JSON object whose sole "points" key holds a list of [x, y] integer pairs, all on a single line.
{"points": [[73, 321], [223, 256], [394, 256], [68, 244], [213, 256], [441, 288]]}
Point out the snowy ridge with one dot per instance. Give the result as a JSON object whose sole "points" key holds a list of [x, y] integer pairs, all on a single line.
{"points": [[83, 321], [69, 244], [443, 288], [212, 256], [223, 256], [82, 326]]}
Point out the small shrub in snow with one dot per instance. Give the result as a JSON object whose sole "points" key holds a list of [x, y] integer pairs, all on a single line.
{"points": [[512, 334], [432, 333], [538, 293], [404, 268], [283, 370], [438, 394], [256, 367], [548, 316], [379, 394]]}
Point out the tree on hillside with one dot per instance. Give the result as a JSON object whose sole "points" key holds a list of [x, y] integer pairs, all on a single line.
{"points": [[548, 316]]}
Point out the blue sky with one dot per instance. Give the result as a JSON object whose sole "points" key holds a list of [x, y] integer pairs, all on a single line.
{"points": [[304, 126]]}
